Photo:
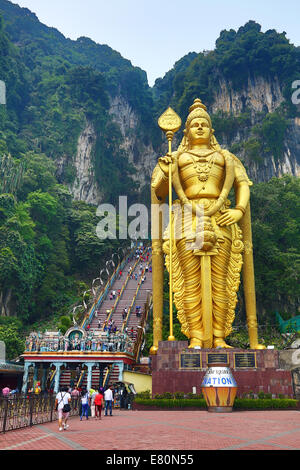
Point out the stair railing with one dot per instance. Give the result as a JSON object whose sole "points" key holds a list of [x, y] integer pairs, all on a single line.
{"points": [[113, 309], [107, 376], [80, 378], [89, 317], [140, 335], [52, 379], [133, 301]]}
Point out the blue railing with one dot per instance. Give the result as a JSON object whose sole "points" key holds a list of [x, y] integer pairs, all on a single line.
{"points": [[107, 288]]}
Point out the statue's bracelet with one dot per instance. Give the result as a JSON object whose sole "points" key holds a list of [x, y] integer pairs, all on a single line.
{"points": [[240, 208]]}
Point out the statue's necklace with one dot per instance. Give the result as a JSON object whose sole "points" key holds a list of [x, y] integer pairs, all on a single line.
{"points": [[202, 166]]}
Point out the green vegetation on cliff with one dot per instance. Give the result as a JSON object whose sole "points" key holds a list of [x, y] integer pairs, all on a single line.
{"points": [[56, 87]]}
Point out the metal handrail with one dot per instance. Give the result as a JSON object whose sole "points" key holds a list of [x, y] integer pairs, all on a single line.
{"points": [[138, 342], [80, 378], [119, 297], [102, 293], [20, 411], [52, 378], [106, 377]]}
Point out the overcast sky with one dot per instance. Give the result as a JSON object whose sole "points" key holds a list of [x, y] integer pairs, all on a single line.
{"points": [[154, 34]]}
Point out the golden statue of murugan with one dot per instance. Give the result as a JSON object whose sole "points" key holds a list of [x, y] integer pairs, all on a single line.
{"points": [[210, 247]]}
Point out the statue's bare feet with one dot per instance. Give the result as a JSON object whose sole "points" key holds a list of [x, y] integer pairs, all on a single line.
{"points": [[220, 343], [195, 343]]}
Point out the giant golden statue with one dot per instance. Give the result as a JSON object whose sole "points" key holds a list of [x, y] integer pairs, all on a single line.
{"points": [[208, 242]]}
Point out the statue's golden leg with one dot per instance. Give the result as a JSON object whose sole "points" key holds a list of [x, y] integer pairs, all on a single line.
{"points": [[190, 265], [219, 271]]}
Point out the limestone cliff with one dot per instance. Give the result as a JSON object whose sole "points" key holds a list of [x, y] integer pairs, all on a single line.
{"points": [[142, 156], [259, 96], [85, 188]]}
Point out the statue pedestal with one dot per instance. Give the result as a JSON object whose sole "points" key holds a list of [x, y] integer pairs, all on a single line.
{"points": [[176, 368]]}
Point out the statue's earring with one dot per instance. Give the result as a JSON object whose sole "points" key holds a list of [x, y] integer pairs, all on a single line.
{"points": [[185, 140], [212, 138]]}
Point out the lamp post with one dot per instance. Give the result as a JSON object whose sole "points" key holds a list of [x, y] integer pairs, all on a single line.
{"points": [[93, 289], [123, 251], [118, 256], [102, 271], [107, 264], [74, 310], [84, 302]]}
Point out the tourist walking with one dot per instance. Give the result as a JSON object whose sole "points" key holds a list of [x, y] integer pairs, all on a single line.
{"points": [[63, 408], [93, 394], [108, 397], [84, 404], [98, 404], [75, 394]]}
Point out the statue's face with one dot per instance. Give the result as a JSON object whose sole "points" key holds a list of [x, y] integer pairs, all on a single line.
{"points": [[199, 131]]}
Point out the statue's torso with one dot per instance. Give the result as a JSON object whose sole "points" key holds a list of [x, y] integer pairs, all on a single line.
{"points": [[201, 173]]}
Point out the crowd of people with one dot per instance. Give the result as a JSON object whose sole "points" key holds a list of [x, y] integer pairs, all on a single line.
{"points": [[90, 403], [106, 336]]}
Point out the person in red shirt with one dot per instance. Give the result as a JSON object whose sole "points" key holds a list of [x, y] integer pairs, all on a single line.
{"points": [[98, 404]]}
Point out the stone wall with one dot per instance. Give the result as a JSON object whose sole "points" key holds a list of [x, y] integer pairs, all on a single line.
{"points": [[269, 376]]}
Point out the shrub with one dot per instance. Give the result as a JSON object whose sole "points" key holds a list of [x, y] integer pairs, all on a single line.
{"points": [[172, 403], [145, 394], [179, 395], [239, 404], [265, 404], [167, 395]]}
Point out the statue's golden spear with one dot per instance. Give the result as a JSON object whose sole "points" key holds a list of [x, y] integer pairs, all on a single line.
{"points": [[170, 123]]}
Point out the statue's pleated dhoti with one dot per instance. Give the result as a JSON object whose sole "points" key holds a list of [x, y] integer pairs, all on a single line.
{"points": [[205, 281]]}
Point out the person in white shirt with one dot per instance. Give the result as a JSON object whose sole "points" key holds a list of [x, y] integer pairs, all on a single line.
{"points": [[93, 394], [62, 401], [108, 397]]}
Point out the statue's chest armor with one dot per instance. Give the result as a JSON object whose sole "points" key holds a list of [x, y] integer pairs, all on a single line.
{"points": [[200, 166]]}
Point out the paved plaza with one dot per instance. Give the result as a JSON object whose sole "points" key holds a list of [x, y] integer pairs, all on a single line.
{"points": [[165, 430]]}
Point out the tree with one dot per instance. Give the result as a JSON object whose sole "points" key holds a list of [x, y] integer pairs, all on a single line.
{"points": [[15, 344]]}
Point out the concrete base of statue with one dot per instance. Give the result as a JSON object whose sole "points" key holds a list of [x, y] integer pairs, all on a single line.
{"points": [[176, 368]]}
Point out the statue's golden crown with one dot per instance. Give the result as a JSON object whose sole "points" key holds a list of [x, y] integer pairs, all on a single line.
{"points": [[198, 109]]}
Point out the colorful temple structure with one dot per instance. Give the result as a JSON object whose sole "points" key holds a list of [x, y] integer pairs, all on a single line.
{"points": [[106, 343]]}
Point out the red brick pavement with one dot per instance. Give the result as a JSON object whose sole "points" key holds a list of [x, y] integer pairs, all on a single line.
{"points": [[165, 430]]}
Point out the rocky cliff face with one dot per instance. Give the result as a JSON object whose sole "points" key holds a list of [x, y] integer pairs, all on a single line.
{"points": [[259, 96], [142, 156], [85, 187], [288, 165]]}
